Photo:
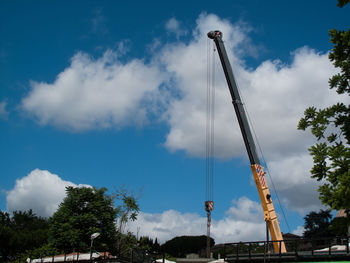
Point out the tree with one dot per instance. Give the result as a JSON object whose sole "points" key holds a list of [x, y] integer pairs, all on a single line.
{"points": [[180, 246], [21, 232], [84, 211], [128, 209], [338, 226], [156, 246], [317, 224], [129, 241], [6, 237], [331, 127], [341, 3], [146, 243]]}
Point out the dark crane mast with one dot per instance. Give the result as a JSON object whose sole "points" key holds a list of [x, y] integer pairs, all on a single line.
{"points": [[259, 175]]}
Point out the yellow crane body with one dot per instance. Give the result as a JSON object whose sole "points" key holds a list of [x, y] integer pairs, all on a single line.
{"points": [[258, 171], [269, 211]]}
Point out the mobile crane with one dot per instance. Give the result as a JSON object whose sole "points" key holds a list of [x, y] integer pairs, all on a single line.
{"points": [[258, 172]]}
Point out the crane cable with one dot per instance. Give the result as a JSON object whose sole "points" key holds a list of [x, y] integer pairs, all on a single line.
{"points": [[210, 118], [209, 139], [265, 163]]}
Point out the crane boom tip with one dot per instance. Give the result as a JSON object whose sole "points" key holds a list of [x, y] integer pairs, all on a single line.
{"points": [[214, 34]]}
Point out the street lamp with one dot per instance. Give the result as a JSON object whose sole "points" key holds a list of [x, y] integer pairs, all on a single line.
{"points": [[93, 236]]}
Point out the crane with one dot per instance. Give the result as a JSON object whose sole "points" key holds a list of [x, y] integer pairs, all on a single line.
{"points": [[258, 171]]}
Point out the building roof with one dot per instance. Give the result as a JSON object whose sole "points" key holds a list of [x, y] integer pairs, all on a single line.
{"points": [[341, 213]]}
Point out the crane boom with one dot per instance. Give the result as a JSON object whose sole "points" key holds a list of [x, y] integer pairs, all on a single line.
{"points": [[258, 172]]}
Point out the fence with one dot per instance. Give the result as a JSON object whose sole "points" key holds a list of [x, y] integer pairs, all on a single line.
{"points": [[297, 250]]}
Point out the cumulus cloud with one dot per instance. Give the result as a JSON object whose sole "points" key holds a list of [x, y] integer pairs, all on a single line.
{"points": [[297, 189], [242, 222], [104, 92], [95, 94], [173, 26], [299, 231], [3, 111], [275, 96], [167, 224], [98, 22], [40, 191]]}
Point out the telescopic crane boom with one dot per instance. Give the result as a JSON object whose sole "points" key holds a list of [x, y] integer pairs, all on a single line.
{"points": [[258, 172]]}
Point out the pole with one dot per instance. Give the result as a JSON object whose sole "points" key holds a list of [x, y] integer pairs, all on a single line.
{"points": [[208, 233], [267, 236], [92, 240]]}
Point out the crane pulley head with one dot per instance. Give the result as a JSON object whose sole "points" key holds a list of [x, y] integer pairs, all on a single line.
{"points": [[214, 34]]}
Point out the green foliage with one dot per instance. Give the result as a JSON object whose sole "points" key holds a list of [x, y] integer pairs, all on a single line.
{"points": [[156, 246], [84, 211], [22, 232], [127, 242], [317, 224], [331, 127], [45, 250], [148, 244], [180, 246], [340, 58], [338, 226], [128, 209], [341, 3]]}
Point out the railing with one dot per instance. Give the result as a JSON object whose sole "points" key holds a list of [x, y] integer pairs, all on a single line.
{"points": [[297, 249], [259, 251], [143, 256]]}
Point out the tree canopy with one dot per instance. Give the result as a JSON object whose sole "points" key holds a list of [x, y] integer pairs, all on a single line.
{"points": [[317, 224], [341, 3], [84, 211], [21, 232], [128, 209], [331, 127], [180, 246], [338, 226]]}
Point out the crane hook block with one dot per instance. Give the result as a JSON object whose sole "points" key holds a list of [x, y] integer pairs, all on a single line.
{"points": [[209, 206]]}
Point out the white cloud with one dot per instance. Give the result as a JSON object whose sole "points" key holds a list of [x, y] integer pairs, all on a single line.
{"points": [[40, 191], [275, 95], [242, 222], [167, 225], [3, 111], [43, 191], [102, 93], [299, 231], [292, 180], [173, 26], [99, 24], [95, 94]]}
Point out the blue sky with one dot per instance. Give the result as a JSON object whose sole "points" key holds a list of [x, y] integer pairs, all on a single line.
{"points": [[109, 93]]}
